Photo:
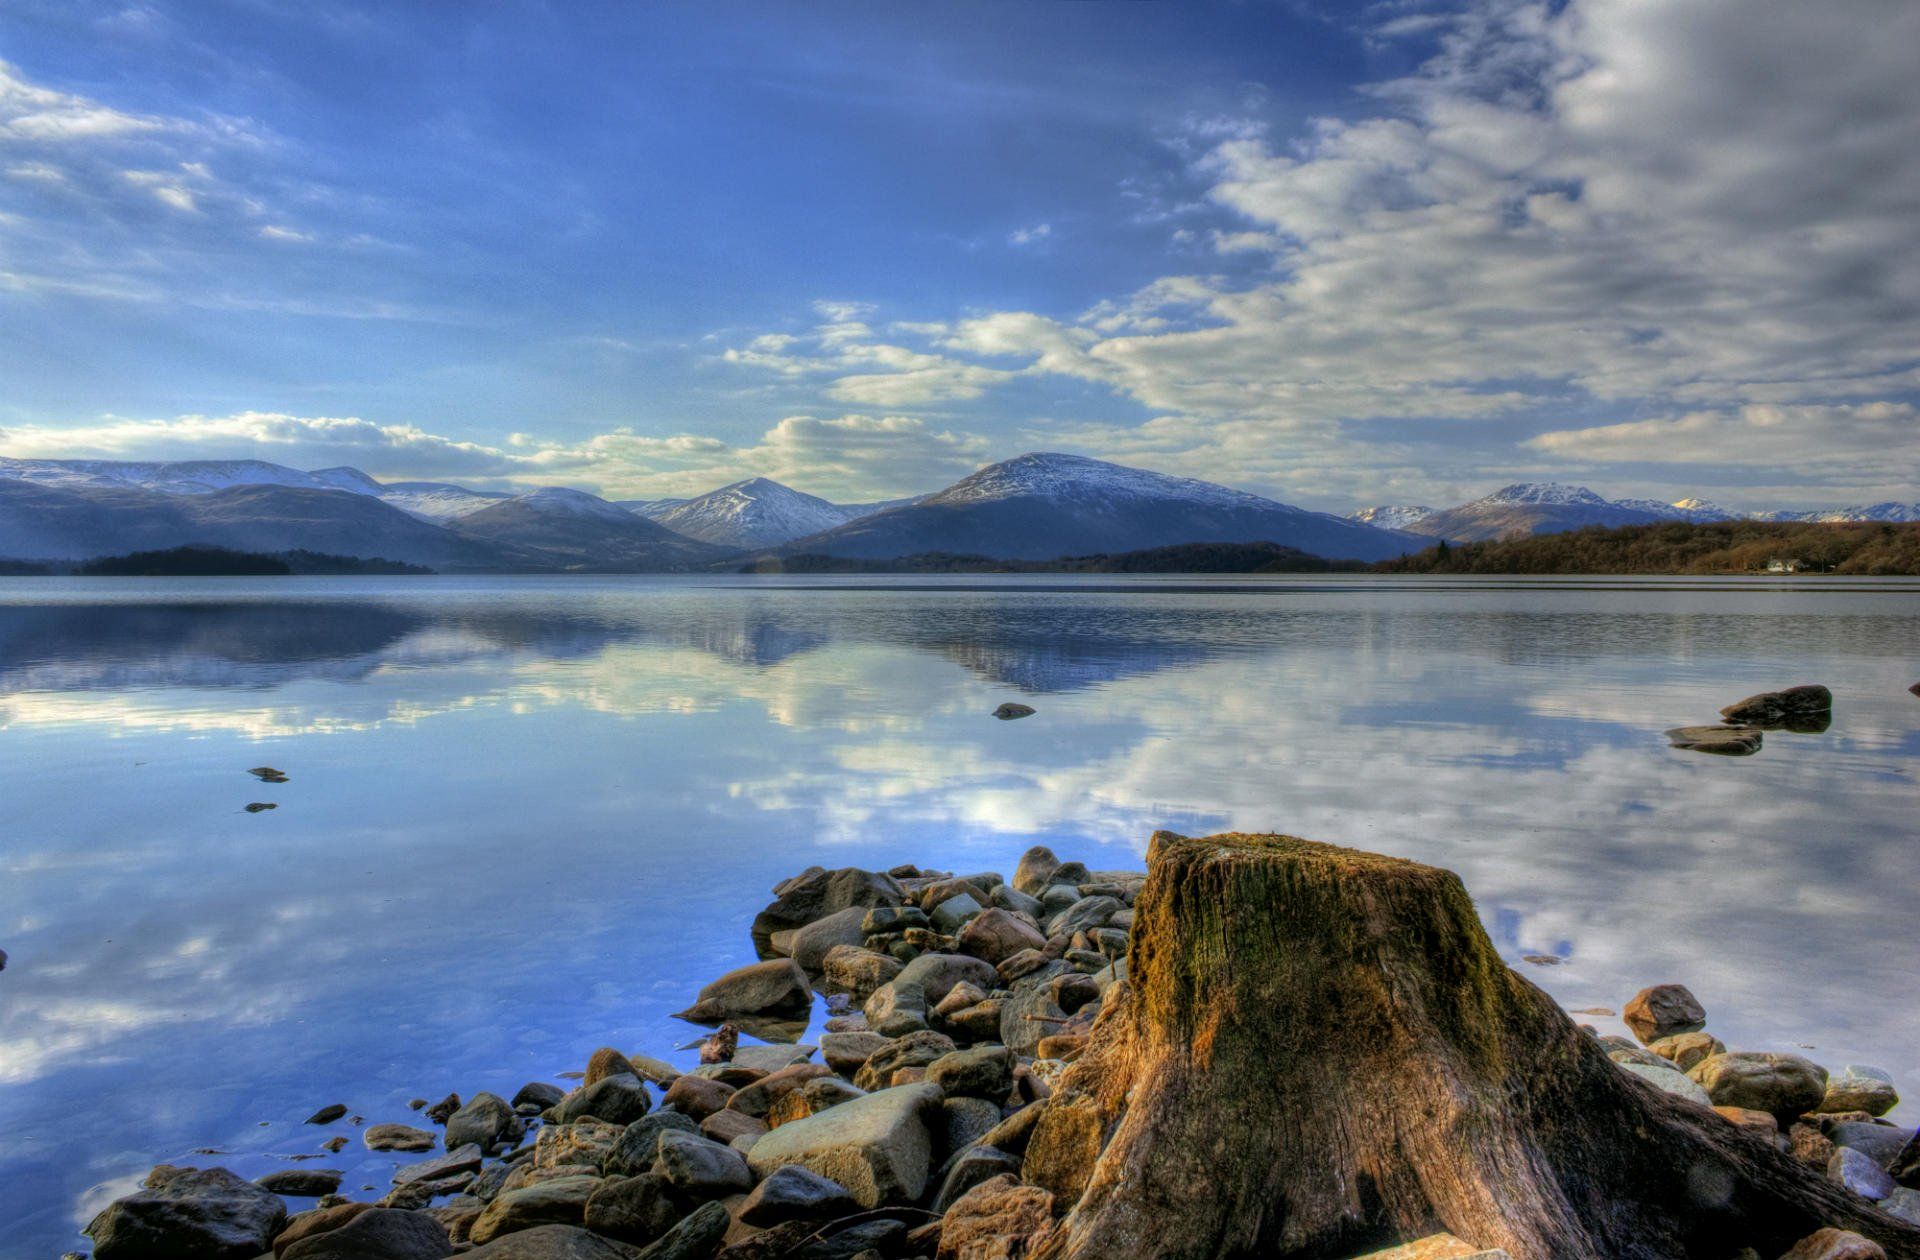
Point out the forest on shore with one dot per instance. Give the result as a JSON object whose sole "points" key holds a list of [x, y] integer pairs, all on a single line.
{"points": [[1867, 548]]}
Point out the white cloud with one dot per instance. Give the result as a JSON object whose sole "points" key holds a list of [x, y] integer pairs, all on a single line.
{"points": [[1034, 234], [42, 115], [276, 232], [1880, 440]]}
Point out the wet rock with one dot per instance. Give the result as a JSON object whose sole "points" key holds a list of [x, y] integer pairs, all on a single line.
{"points": [[795, 1192], [997, 935], [463, 1160], [1662, 1011], [699, 1168], [983, 1072], [560, 1201], [202, 1214], [634, 1209], [1860, 1173], [1783, 1084], [301, 1183], [1858, 1088], [1835, 1244], [259, 807], [328, 1114], [1010, 710], [817, 893], [695, 1238], [1780, 706], [774, 988], [812, 941], [617, 1100], [267, 774], [553, 1242], [988, 1220], [877, 1146], [539, 1095], [697, 1096], [397, 1137], [487, 1121], [377, 1234], [913, 1050], [1685, 1050], [1726, 741]]}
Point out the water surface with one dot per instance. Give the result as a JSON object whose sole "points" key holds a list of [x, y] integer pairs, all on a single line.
{"points": [[529, 817]]}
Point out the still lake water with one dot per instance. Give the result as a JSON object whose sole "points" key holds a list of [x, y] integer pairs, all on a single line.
{"points": [[528, 817]]}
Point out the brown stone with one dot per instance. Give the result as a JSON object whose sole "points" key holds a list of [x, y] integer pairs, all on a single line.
{"points": [[1663, 1010], [1835, 1244], [1064, 1148], [697, 1096], [606, 1061], [994, 1220], [1761, 1122]]}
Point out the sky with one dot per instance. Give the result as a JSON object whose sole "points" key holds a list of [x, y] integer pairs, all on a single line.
{"points": [[1339, 253]]}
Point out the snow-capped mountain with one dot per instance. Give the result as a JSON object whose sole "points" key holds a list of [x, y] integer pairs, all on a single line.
{"points": [[1392, 516], [1045, 506], [1889, 511], [583, 531], [753, 513], [190, 476], [1530, 508], [438, 500]]}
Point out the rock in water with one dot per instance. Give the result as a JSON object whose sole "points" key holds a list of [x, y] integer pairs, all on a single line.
{"points": [[487, 1121], [302, 1183], [1727, 741], [377, 1234], [189, 1214], [397, 1137], [818, 893], [256, 807], [328, 1114], [1781, 706], [778, 987], [1662, 1011], [267, 774], [1009, 711], [1856, 1088]]}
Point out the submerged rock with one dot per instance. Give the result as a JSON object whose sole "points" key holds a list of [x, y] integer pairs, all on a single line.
{"points": [[328, 1114], [1011, 710], [397, 1137], [1805, 703], [1727, 741], [777, 988]]}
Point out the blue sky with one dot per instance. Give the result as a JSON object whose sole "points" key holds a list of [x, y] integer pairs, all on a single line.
{"points": [[1336, 253]]}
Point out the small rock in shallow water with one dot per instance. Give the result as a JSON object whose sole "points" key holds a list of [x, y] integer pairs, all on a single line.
{"points": [[440, 1111], [256, 807], [267, 774], [398, 1137], [1009, 711], [302, 1183], [1726, 741], [334, 1144], [328, 1114], [1780, 706], [1663, 1010]]}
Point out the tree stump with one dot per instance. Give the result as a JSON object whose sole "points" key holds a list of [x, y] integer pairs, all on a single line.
{"points": [[1319, 1050]]}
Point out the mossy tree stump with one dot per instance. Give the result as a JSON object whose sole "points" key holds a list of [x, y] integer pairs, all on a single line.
{"points": [[1319, 1049]]}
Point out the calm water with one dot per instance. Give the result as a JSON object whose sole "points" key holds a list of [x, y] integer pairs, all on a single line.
{"points": [[529, 817]]}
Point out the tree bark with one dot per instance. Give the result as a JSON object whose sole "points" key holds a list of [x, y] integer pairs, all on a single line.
{"points": [[1319, 1049]]}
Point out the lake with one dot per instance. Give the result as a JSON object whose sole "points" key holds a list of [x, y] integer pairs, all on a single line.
{"points": [[527, 817]]}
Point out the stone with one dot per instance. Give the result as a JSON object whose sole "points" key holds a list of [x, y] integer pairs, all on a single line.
{"points": [[588, 1143], [953, 914], [1784, 1084], [1810, 1146], [605, 1062], [881, 920], [817, 893], [634, 1209], [795, 1192], [1035, 871], [903, 1004], [812, 941], [959, 998], [439, 1112], [1860, 1173], [638, 1144], [617, 1100], [560, 1201], [1034, 1011], [1903, 1203], [1760, 1122], [1623, 1050], [655, 1071], [539, 1095], [1835, 1244], [877, 1146], [334, 1145], [979, 1022], [488, 1121], [993, 1220], [758, 1098], [699, 1168], [1065, 1144], [1672, 1080], [965, 1121], [1879, 1142], [1684, 1050], [189, 1214], [774, 988], [697, 1096], [1084, 915], [1016, 1131], [465, 1159], [553, 1242], [970, 1167], [1662, 1011], [328, 1114], [997, 935], [1906, 1165], [779, 1242], [811, 1099], [982, 1072], [913, 1050], [848, 1052], [1011, 710], [768, 1059], [376, 1234], [397, 1137], [1726, 741], [1438, 1247], [1858, 1088], [301, 1183], [317, 1221], [1780, 706], [731, 1127], [696, 1237]]}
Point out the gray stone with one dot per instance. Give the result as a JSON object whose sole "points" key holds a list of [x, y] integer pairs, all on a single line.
{"points": [[1035, 871], [982, 1072], [997, 935], [1881, 1142], [965, 1121], [903, 1004], [877, 1146], [553, 1242], [539, 1095], [770, 1058], [1859, 1088], [1671, 1079], [774, 988], [189, 1214], [1662, 1011], [639, 1143], [378, 1234], [397, 1137], [971, 1167], [301, 1183], [849, 1051], [695, 1238], [913, 1050], [618, 1099], [633, 1209], [699, 1168], [465, 1159], [1012, 709], [1858, 1172], [817, 893], [560, 1201], [487, 1121], [1084, 915], [795, 1192], [857, 971], [1781, 706], [812, 941], [952, 914], [1903, 1203], [1007, 897], [1784, 1084], [881, 920], [1726, 741]]}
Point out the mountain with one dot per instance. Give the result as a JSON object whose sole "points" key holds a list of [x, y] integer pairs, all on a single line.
{"points": [[188, 476], [1888, 511], [750, 514], [1387, 516], [79, 521], [1529, 508], [437, 500], [581, 531], [1043, 506]]}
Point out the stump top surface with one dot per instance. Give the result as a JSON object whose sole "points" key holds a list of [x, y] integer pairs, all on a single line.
{"points": [[1272, 846]]}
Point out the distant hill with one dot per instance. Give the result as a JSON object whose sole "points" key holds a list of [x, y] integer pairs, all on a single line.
{"points": [[1680, 547], [1550, 507], [1044, 506], [749, 514], [570, 529]]}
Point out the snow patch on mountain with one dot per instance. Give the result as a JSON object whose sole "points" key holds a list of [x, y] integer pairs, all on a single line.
{"points": [[1046, 474], [560, 501], [1392, 516], [191, 476], [438, 500], [756, 512], [1550, 493]]}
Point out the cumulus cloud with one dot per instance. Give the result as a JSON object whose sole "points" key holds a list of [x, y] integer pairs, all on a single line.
{"points": [[1880, 440]]}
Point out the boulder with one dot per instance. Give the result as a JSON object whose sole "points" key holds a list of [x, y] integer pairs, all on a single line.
{"points": [[876, 1146], [301, 1183], [639, 1143], [1063, 1148], [1760, 1122], [1672, 1080], [397, 1137], [579, 1143], [817, 893], [1684, 1050], [1784, 1084], [758, 1098], [1662, 1011], [487, 1121], [1034, 1011], [439, 1112], [903, 1004], [317, 1221], [1007, 897], [1860, 1173], [189, 1214], [696, 1237], [697, 1096], [618, 1099], [953, 913], [328, 1114], [1857, 1088], [913, 1050], [731, 1128], [560, 1201], [538, 1095], [699, 1168], [605, 1062], [1835, 1244], [964, 1121], [795, 1192], [885, 920], [1903, 1203], [768, 1058], [997, 935], [775, 988], [982, 1072], [849, 1051], [376, 1234], [1035, 871], [461, 1160], [1011, 709], [811, 1099], [812, 941], [633, 1209], [969, 1168], [1879, 1142], [553, 1242], [1084, 915], [1780, 706], [994, 1219]]}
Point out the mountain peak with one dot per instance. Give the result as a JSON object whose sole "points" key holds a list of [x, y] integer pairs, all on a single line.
{"points": [[1054, 474], [1552, 492], [756, 512]]}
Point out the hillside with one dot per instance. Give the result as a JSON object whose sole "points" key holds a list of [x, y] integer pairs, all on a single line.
{"points": [[1677, 547]]}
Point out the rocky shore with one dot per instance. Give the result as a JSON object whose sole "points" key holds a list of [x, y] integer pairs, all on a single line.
{"points": [[931, 1118]]}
